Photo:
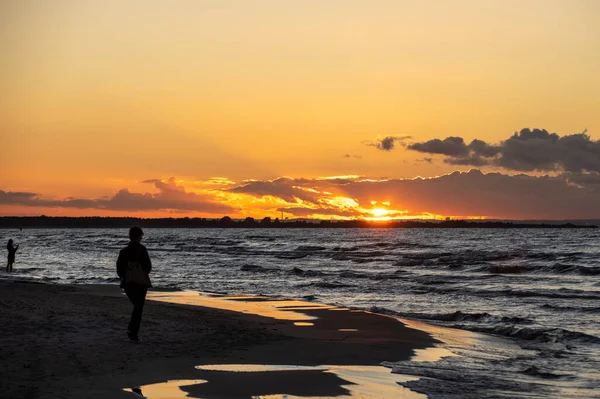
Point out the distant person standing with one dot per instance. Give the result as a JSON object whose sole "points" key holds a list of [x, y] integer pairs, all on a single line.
{"points": [[133, 268], [12, 250]]}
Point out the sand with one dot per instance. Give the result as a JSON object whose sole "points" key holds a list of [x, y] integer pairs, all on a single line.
{"points": [[69, 341]]}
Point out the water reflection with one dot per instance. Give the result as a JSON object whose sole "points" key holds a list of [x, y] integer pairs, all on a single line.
{"points": [[164, 390], [246, 381], [280, 309]]}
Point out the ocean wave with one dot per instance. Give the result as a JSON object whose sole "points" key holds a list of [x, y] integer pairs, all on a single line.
{"points": [[409, 262], [373, 276], [260, 238], [307, 273], [450, 379], [545, 335], [557, 268], [359, 257], [292, 255], [28, 270], [505, 269], [594, 309], [476, 317], [384, 311], [583, 270], [563, 293], [541, 373], [225, 243], [398, 274], [327, 284], [310, 248], [257, 269], [351, 274]]}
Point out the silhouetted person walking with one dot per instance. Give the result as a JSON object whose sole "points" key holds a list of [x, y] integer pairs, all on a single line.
{"points": [[133, 267], [12, 250]]}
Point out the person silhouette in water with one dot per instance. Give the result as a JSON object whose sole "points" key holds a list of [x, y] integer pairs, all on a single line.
{"points": [[135, 255], [12, 250]]}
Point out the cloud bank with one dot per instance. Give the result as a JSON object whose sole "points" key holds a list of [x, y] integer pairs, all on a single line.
{"points": [[572, 195], [457, 194], [526, 151], [170, 196]]}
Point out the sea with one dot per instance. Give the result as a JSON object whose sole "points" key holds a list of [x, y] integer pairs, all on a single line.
{"points": [[533, 294]]}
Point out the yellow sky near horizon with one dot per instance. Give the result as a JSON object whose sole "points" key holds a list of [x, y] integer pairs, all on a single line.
{"points": [[100, 95]]}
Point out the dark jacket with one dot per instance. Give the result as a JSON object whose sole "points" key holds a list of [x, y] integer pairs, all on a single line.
{"points": [[11, 251], [134, 252]]}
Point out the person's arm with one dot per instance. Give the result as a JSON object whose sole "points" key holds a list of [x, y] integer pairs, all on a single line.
{"points": [[121, 264], [146, 263]]}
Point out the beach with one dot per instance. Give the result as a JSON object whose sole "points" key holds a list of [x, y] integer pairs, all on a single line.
{"points": [[69, 341]]}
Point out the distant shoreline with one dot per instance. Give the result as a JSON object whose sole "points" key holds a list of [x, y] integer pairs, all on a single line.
{"points": [[28, 222]]}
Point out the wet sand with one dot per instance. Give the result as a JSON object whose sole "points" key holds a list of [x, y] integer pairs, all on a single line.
{"points": [[69, 341]]}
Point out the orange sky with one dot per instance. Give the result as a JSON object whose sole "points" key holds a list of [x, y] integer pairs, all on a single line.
{"points": [[98, 97]]}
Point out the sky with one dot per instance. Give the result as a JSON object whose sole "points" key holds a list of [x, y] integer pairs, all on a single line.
{"points": [[322, 109]]}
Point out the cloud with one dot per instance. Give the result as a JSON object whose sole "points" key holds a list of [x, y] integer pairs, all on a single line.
{"points": [[15, 198], [456, 194], [451, 146], [308, 212], [288, 189], [170, 196], [386, 143], [472, 160], [569, 195], [351, 156], [582, 179], [525, 151]]}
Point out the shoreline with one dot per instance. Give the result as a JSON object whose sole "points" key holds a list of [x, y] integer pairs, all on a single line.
{"points": [[69, 341]]}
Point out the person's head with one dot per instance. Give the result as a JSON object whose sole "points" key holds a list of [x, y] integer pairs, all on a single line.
{"points": [[135, 234], [10, 242]]}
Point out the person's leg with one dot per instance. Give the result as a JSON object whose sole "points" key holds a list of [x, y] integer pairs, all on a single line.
{"points": [[137, 296]]}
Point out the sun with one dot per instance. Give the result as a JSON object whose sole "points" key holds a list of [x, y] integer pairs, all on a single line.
{"points": [[379, 212]]}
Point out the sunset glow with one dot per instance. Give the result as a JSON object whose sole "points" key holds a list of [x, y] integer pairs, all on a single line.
{"points": [[307, 109], [379, 212]]}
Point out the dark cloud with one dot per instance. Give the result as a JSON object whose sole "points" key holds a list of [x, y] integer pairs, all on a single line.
{"points": [[289, 190], [482, 149], [15, 198], [170, 196], [527, 150], [457, 194], [387, 143], [307, 212], [451, 146], [590, 179], [473, 160], [570, 195]]}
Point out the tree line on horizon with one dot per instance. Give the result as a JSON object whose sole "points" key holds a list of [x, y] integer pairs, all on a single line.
{"points": [[20, 222]]}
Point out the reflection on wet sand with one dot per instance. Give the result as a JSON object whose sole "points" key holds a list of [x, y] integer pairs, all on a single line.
{"points": [[357, 341], [280, 309], [285, 309], [303, 324], [245, 381], [164, 390]]}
